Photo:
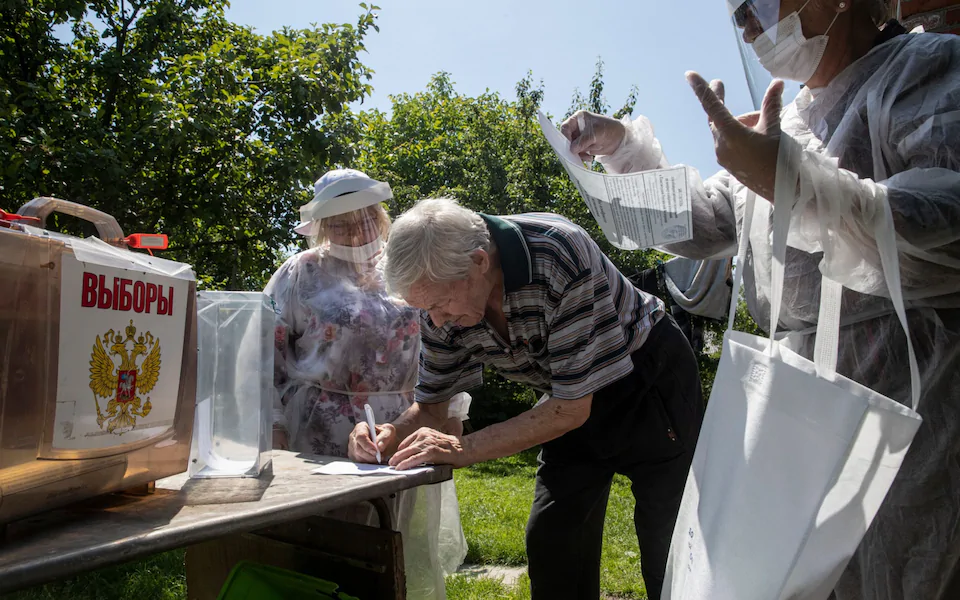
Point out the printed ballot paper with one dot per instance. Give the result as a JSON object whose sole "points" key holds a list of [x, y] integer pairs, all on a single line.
{"points": [[634, 210], [341, 467]]}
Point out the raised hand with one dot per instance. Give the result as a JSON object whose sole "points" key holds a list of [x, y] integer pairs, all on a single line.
{"points": [[746, 146]]}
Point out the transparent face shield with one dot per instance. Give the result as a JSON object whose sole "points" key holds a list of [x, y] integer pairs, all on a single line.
{"points": [[755, 20], [355, 236]]}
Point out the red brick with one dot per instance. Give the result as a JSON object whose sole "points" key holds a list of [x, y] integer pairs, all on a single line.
{"points": [[912, 7], [953, 17]]}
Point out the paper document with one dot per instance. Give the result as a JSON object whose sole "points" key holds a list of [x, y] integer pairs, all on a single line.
{"points": [[634, 210], [350, 468]]}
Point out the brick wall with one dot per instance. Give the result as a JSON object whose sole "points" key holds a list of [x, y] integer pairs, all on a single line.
{"points": [[941, 16]]}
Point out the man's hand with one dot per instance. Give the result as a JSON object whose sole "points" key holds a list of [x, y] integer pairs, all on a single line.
{"points": [[360, 447], [746, 147], [542, 423], [280, 441], [429, 446]]}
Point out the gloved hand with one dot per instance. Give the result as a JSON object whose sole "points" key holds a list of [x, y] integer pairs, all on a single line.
{"points": [[592, 135], [624, 146], [746, 147]]}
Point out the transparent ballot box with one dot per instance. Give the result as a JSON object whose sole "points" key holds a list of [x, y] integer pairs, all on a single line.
{"points": [[231, 435]]}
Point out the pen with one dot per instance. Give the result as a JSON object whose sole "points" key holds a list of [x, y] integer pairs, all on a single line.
{"points": [[372, 424]]}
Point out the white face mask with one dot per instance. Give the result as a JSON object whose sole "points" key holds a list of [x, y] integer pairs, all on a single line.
{"points": [[357, 254], [791, 56]]}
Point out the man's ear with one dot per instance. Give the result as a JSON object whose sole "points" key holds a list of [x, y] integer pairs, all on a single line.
{"points": [[482, 260]]}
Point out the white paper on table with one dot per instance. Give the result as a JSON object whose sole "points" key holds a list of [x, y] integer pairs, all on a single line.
{"points": [[350, 468], [634, 210]]}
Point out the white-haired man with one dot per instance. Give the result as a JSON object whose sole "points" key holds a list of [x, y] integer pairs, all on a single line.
{"points": [[533, 297]]}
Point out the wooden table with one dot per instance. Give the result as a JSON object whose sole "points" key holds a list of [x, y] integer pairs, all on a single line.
{"points": [[273, 519]]}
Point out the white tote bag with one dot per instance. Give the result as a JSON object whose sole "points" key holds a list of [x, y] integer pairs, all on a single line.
{"points": [[793, 460]]}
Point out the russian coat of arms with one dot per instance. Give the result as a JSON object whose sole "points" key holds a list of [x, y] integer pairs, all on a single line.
{"points": [[124, 368]]}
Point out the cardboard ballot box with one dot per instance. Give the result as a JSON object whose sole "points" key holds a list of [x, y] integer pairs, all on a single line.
{"points": [[97, 362]]}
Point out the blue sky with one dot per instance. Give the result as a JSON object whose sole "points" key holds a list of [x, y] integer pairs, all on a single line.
{"points": [[491, 45]]}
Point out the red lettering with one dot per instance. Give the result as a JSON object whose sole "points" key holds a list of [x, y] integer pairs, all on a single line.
{"points": [[165, 305], [126, 295], [105, 298], [89, 297], [139, 296], [151, 296], [126, 298]]}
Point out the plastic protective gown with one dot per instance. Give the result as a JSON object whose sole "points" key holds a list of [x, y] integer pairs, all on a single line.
{"points": [[342, 342], [893, 118]]}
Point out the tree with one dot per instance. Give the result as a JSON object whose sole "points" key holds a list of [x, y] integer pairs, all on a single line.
{"points": [[598, 101], [168, 116]]}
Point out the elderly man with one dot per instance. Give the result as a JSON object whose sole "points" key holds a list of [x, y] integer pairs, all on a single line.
{"points": [[534, 298]]}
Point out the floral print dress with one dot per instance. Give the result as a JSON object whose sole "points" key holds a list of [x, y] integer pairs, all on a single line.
{"points": [[341, 342]]}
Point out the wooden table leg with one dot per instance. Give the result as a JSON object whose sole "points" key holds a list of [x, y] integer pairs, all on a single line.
{"points": [[366, 562], [145, 489]]}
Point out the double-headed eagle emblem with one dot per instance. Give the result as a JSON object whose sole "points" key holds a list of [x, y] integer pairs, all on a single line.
{"points": [[124, 383]]}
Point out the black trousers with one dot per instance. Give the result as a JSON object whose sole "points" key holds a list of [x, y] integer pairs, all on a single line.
{"points": [[644, 426]]}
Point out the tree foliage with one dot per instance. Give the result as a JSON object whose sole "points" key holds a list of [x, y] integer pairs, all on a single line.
{"points": [[597, 101], [170, 117]]}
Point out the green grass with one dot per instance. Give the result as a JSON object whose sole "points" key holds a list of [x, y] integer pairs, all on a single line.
{"points": [[495, 499], [469, 588], [159, 577]]}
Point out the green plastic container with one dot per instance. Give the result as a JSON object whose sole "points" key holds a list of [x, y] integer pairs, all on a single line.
{"points": [[252, 581]]}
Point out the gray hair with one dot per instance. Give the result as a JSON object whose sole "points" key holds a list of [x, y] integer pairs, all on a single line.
{"points": [[435, 239]]}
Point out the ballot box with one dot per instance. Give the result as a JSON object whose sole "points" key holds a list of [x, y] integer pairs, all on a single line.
{"points": [[98, 356], [233, 427]]}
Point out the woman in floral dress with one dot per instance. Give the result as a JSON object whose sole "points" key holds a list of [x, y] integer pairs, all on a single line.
{"points": [[341, 343]]}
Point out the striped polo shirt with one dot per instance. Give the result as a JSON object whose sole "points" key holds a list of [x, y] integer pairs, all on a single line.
{"points": [[573, 319]]}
